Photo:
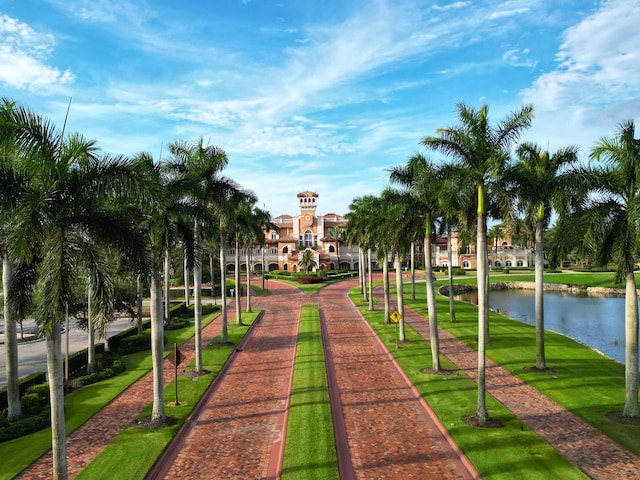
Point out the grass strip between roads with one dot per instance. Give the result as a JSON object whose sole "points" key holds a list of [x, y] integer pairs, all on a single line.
{"points": [[501, 453], [310, 451], [85, 402], [116, 457]]}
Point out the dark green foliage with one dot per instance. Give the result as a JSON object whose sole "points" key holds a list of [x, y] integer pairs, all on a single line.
{"points": [[135, 343], [32, 379], [42, 390], [30, 403], [25, 426]]}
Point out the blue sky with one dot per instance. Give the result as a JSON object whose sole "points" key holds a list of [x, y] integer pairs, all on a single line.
{"points": [[322, 96]]}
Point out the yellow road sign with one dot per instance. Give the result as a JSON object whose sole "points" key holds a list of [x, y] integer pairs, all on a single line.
{"points": [[395, 316]]}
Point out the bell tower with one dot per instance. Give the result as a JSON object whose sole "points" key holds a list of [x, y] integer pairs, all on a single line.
{"points": [[307, 202]]}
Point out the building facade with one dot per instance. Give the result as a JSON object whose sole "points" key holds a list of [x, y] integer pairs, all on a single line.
{"points": [[502, 253], [307, 230], [296, 233]]}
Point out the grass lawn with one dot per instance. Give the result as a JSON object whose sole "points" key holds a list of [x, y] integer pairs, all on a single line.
{"points": [[85, 402], [502, 453], [152, 442], [310, 451]]}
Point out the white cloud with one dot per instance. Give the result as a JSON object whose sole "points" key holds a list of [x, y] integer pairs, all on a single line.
{"points": [[508, 13], [451, 6], [597, 55], [23, 55], [596, 84]]}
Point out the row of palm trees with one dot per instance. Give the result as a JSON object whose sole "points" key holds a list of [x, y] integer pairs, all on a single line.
{"points": [[67, 211], [596, 208]]}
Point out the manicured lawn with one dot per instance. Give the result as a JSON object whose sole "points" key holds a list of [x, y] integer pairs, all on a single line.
{"points": [[310, 451], [85, 402], [502, 453], [152, 442]]}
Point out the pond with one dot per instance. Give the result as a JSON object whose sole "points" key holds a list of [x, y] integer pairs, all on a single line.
{"points": [[597, 322]]}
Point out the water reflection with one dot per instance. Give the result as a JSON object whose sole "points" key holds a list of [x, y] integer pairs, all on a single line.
{"points": [[594, 321]]}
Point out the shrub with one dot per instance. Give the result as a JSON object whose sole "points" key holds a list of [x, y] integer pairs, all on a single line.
{"points": [[30, 403], [25, 426], [4, 421], [42, 390], [31, 379], [135, 343], [118, 366]]}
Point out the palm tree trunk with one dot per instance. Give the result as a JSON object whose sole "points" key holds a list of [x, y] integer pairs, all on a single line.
{"points": [[67, 331], [248, 309], [413, 270], [197, 292], [431, 304], [56, 394], [400, 297], [263, 266], [213, 283], [483, 306], [167, 285], [157, 346], [361, 271], [369, 263], [631, 351], [91, 333], [223, 291], [11, 346], [237, 282], [452, 309], [539, 296], [185, 272], [140, 302], [385, 281]]}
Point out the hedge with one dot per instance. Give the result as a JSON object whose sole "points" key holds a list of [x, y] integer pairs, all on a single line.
{"points": [[34, 378]]}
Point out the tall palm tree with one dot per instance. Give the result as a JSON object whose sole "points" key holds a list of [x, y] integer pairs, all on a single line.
{"points": [[609, 225], [422, 180], [480, 153], [199, 167], [542, 183], [336, 235], [307, 263], [12, 183], [67, 210]]}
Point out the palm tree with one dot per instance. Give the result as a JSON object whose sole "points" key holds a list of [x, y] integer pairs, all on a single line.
{"points": [[12, 183], [199, 168], [542, 183], [422, 180], [480, 153], [307, 263], [609, 226], [336, 235], [68, 209]]}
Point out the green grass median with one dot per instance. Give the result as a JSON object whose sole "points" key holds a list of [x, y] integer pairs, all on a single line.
{"points": [[310, 451], [512, 451], [151, 442]]}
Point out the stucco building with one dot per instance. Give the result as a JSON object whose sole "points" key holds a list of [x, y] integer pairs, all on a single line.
{"points": [[299, 232]]}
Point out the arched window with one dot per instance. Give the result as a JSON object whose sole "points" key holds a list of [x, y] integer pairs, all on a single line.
{"points": [[274, 235], [285, 249], [465, 264], [520, 263], [497, 263], [286, 266], [308, 238], [332, 249], [508, 263]]}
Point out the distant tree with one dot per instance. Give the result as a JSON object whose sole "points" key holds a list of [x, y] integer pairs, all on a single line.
{"points": [[307, 263]]}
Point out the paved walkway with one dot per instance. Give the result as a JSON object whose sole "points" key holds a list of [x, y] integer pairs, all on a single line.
{"points": [[591, 451], [391, 432], [383, 428], [238, 429], [85, 443]]}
